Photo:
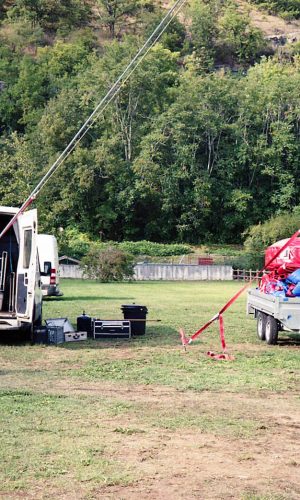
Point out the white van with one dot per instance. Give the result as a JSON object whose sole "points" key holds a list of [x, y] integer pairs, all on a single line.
{"points": [[20, 281], [48, 255]]}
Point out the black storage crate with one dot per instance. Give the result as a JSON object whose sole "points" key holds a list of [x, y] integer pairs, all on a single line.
{"points": [[110, 329], [49, 335], [56, 334], [137, 316]]}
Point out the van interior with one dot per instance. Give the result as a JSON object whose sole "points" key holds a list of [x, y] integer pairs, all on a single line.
{"points": [[9, 254]]}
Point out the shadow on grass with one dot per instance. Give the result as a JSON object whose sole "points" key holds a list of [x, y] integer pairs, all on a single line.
{"points": [[87, 298], [154, 337], [292, 339], [13, 338]]}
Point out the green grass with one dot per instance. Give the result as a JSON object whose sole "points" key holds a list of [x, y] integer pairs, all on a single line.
{"points": [[257, 366], [40, 442], [66, 411]]}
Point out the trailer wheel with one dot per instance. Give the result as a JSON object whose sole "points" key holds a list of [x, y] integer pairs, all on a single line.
{"points": [[271, 330], [261, 325]]}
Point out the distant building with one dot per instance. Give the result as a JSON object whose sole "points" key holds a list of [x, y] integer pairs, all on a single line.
{"points": [[68, 261]]}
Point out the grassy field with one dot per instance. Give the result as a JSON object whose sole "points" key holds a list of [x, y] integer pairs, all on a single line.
{"points": [[144, 419]]}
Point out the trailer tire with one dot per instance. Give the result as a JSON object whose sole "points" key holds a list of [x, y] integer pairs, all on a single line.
{"points": [[271, 330], [261, 325]]}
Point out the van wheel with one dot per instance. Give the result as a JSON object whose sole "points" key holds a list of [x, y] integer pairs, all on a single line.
{"points": [[261, 325], [38, 321], [271, 331], [35, 324]]}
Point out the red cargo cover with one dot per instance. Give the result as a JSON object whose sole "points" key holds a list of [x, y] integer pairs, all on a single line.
{"points": [[288, 260]]}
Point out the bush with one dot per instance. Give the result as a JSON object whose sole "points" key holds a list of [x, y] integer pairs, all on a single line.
{"points": [[154, 249], [76, 244], [239, 37], [259, 237], [109, 264], [248, 261]]}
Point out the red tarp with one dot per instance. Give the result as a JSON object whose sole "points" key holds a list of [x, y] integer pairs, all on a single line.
{"points": [[288, 260]]}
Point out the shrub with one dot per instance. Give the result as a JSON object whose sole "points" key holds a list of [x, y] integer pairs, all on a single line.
{"points": [[248, 261], [76, 244], [109, 264], [154, 249], [259, 237]]}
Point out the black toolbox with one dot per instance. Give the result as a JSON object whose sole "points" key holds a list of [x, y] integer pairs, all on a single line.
{"points": [[110, 329]]}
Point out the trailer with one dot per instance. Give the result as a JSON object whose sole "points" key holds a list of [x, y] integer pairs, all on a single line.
{"points": [[273, 314]]}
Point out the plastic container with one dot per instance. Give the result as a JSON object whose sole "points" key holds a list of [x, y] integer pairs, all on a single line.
{"points": [[84, 324], [56, 334], [137, 316], [63, 322]]}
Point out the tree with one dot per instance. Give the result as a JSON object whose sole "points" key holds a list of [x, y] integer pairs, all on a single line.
{"points": [[238, 37], [52, 15], [178, 166], [115, 14], [204, 30], [96, 188], [16, 172]]}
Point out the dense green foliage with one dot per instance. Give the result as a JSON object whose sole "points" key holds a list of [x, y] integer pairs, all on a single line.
{"points": [[75, 243], [288, 9], [282, 226], [154, 249], [190, 151]]}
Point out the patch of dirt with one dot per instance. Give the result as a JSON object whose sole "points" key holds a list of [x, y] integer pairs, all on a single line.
{"points": [[187, 463], [275, 26], [272, 26]]}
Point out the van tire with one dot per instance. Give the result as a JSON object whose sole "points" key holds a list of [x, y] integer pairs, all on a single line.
{"points": [[29, 330], [271, 330], [261, 325]]}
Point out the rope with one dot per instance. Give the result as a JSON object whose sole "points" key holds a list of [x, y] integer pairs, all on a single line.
{"points": [[100, 108]]}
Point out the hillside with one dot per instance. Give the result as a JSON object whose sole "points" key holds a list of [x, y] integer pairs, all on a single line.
{"points": [[202, 143], [274, 26]]}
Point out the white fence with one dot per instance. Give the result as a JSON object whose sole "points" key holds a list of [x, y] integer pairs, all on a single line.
{"points": [[180, 272], [70, 271], [167, 272]]}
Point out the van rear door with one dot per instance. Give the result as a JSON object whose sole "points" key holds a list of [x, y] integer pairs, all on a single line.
{"points": [[26, 271]]}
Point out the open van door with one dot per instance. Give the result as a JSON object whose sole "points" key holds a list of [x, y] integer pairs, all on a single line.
{"points": [[27, 265]]}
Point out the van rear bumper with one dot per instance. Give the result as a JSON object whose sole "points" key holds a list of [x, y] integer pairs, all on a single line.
{"points": [[51, 291], [9, 323]]}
